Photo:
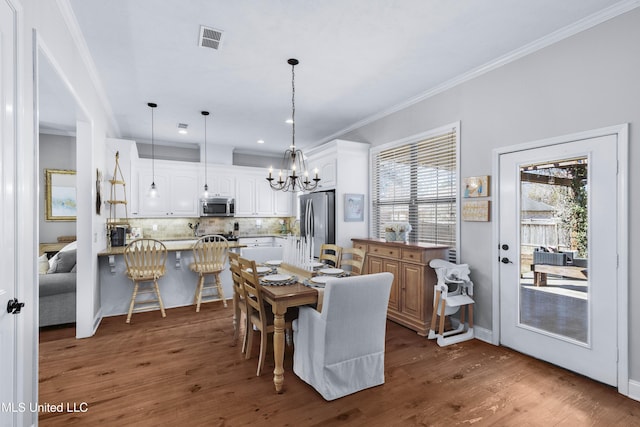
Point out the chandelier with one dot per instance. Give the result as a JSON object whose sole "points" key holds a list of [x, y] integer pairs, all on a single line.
{"points": [[294, 166]]}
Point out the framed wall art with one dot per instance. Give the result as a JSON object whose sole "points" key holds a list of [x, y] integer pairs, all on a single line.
{"points": [[475, 210], [353, 207], [60, 195], [476, 186]]}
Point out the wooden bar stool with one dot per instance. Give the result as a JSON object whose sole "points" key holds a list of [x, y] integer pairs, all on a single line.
{"points": [[145, 260], [210, 257]]}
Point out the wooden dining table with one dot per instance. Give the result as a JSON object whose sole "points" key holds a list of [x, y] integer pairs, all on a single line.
{"points": [[281, 298]]}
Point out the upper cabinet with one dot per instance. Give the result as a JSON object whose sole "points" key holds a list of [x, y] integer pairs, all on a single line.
{"points": [[178, 190], [255, 198], [221, 184], [325, 162], [181, 184], [343, 166]]}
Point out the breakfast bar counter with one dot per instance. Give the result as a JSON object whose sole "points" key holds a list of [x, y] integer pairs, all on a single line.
{"points": [[177, 286]]}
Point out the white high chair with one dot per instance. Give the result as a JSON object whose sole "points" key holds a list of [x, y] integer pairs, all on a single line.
{"points": [[448, 302]]}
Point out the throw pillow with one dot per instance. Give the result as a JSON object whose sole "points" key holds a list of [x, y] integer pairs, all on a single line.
{"points": [[43, 264], [53, 264], [66, 261]]}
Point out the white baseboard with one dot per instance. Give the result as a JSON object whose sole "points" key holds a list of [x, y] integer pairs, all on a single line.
{"points": [[634, 390], [483, 334]]}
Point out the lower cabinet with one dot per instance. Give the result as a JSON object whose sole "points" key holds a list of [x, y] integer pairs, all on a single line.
{"points": [[411, 299]]}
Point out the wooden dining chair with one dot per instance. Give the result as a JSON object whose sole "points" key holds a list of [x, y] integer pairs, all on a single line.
{"points": [[330, 252], [352, 260], [259, 313], [209, 259], [145, 260], [239, 302]]}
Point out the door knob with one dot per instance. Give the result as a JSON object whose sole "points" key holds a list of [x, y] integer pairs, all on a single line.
{"points": [[506, 260], [14, 307]]}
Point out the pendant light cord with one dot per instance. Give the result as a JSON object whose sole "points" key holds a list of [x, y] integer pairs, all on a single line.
{"points": [[153, 153], [293, 105], [205, 150]]}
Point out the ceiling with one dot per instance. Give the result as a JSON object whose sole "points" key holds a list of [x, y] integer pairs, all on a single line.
{"points": [[358, 59]]}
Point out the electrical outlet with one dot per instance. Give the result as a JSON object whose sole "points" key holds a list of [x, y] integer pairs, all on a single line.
{"points": [[155, 227]]}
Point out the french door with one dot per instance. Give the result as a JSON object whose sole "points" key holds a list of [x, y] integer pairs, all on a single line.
{"points": [[558, 254], [8, 225]]}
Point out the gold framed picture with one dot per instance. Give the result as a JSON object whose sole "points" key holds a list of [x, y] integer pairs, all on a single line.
{"points": [[60, 195]]}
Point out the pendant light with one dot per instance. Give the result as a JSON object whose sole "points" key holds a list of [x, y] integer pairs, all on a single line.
{"points": [[293, 160], [205, 193], [153, 191]]}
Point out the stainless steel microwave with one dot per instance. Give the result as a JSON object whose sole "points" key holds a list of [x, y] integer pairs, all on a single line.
{"points": [[217, 206]]}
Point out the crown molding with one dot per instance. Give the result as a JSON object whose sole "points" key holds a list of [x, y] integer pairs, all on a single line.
{"points": [[541, 43], [74, 29]]}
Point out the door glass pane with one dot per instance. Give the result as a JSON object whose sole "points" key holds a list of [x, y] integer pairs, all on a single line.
{"points": [[554, 285]]}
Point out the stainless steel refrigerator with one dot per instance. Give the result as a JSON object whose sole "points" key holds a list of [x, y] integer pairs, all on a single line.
{"points": [[317, 218]]}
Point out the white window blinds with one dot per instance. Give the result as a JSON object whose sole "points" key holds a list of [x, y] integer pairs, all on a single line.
{"points": [[416, 183]]}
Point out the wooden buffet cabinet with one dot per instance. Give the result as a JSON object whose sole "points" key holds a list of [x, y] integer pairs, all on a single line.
{"points": [[411, 299]]}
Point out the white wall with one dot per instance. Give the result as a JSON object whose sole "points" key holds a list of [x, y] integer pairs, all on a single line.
{"points": [[585, 82], [56, 152], [54, 39]]}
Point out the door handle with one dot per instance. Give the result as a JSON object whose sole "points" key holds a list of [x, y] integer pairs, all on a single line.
{"points": [[13, 306], [506, 260]]}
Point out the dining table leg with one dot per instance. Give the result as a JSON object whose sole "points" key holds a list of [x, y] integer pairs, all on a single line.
{"points": [[278, 348]]}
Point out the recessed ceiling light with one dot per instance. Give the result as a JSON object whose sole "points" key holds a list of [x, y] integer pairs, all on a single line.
{"points": [[289, 121], [182, 128], [261, 141]]}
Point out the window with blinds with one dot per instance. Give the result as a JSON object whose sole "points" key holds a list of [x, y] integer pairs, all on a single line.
{"points": [[416, 182]]}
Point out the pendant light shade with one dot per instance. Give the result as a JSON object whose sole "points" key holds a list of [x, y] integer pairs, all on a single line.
{"points": [[153, 191], [294, 166], [205, 193]]}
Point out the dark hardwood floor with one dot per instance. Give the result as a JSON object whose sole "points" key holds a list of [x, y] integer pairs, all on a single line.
{"points": [[184, 370]]}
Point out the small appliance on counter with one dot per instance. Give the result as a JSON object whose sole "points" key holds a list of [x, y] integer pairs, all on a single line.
{"points": [[118, 236]]}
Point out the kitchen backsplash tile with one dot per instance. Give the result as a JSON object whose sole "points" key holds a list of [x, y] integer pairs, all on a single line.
{"points": [[183, 228]]}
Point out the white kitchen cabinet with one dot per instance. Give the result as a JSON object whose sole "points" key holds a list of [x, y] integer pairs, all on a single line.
{"points": [[220, 184], [343, 166], [178, 191], [264, 197], [283, 203], [184, 193], [256, 198], [325, 163], [256, 241]]}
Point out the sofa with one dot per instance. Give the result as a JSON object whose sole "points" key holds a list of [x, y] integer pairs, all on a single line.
{"points": [[57, 288]]}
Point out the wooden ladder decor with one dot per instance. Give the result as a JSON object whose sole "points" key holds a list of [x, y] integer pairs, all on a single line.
{"points": [[117, 181]]}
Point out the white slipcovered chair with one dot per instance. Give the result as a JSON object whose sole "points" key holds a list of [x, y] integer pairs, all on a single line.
{"points": [[340, 350]]}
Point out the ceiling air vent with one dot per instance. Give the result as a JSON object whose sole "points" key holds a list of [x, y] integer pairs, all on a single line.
{"points": [[210, 37]]}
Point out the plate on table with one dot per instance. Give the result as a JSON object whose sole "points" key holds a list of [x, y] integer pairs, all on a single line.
{"points": [[260, 270], [331, 271], [316, 264], [276, 278], [320, 281], [274, 262]]}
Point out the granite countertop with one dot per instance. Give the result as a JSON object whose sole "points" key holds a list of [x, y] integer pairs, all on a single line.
{"points": [[172, 246], [400, 244]]}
